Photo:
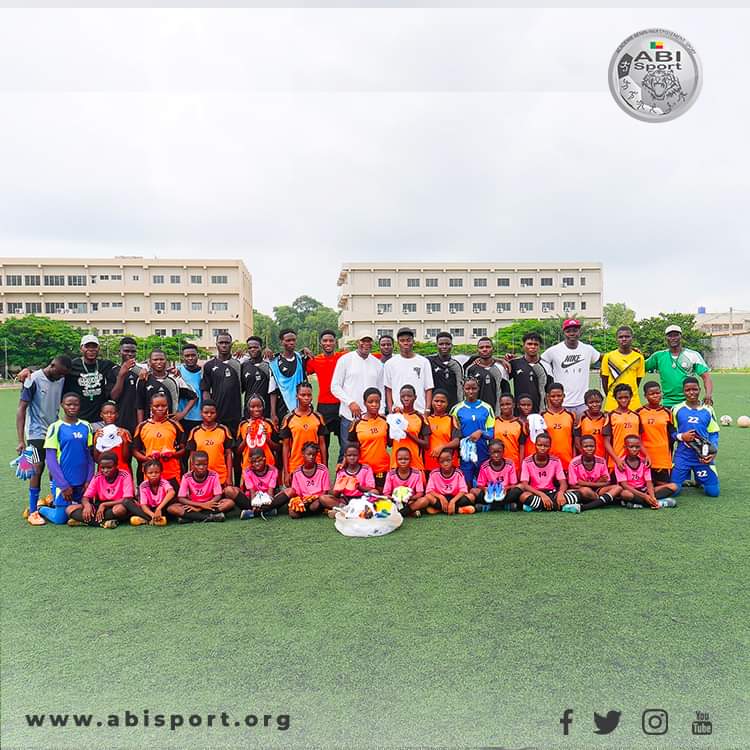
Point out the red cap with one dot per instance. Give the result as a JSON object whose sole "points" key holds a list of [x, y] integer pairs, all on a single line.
{"points": [[571, 322]]}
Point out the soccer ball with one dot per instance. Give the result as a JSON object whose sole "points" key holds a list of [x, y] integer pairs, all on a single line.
{"points": [[743, 421], [725, 420]]}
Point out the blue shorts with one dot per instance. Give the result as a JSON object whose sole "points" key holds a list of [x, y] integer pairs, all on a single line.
{"points": [[705, 474], [58, 501]]}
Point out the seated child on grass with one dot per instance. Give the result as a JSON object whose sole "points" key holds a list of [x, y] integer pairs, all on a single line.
{"points": [[497, 479], [257, 497], [638, 489], [105, 497], [446, 488], [154, 495], [588, 476], [310, 489], [404, 475], [543, 484], [200, 497]]}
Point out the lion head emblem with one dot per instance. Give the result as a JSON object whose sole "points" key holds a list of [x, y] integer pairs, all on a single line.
{"points": [[664, 87]]}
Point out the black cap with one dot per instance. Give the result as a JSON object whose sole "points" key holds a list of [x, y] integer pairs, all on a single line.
{"points": [[405, 332]]}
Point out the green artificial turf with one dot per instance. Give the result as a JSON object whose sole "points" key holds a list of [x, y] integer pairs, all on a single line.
{"points": [[454, 632]]}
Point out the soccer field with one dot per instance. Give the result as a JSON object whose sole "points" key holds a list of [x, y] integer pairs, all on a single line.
{"points": [[453, 631]]}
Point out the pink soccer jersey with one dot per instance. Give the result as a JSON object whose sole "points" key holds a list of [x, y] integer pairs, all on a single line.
{"points": [[415, 482], [200, 492], [447, 486], [146, 494], [318, 484], [577, 472], [102, 491], [634, 477], [505, 475], [542, 477], [364, 476], [267, 482]]}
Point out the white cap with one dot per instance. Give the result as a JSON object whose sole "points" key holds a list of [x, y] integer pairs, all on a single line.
{"points": [[89, 338], [672, 329], [365, 335]]}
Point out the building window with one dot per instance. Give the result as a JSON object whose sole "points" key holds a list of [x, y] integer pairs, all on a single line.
{"points": [[136, 277], [13, 280], [433, 307], [455, 307], [477, 332], [15, 307], [52, 308], [136, 308], [103, 277], [220, 280], [409, 307], [197, 279], [160, 331], [177, 331], [384, 283], [33, 308], [546, 281], [175, 306], [198, 333], [160, 307], [583, 281], [117, 305], [219, 306], [116, 277], [384, 307], [218, 331], [384, 332], [527, 281], [568, 281], [431, 333], [457, 332], [31, 280], [480, 282], [104, 305], [196, 306], [479, 307], [432, 283], [569, 307], [158, 279], [455, 283], [583, 305], [106, 331], [174, 279], [548, 307], [503, 281], [526, 307], [503, 307], [78, 307], [118, 331], [54, 281], [412, 283], [76, 281]]}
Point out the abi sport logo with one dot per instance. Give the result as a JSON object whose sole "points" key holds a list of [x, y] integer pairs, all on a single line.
{"points": [[655, 75]]}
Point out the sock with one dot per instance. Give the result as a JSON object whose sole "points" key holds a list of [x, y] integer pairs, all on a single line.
{"points": [[606, 498], [33, 498]]}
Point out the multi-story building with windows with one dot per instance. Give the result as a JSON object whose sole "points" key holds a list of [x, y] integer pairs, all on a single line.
{"points": [[469, 300], [137, 296]]}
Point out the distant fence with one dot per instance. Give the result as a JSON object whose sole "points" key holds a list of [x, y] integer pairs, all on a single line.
{"points": [[729, 351]]}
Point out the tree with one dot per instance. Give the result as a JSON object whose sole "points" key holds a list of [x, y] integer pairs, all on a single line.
{"points": [[34, 340], [648, 333], [265, 327], [618, 314], [306, 315]]}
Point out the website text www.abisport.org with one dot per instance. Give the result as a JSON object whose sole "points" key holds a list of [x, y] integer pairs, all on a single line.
{"points": [[150, 719]]}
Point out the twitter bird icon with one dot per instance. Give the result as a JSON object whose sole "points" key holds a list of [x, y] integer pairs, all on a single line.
{"points": [[608, 723]]}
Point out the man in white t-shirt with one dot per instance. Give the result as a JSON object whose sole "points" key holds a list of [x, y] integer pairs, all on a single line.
{"points": [[571, 361], [408, 368]]}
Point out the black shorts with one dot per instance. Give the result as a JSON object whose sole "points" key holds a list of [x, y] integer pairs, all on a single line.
{"points": [[661, 476], [38, 445]]}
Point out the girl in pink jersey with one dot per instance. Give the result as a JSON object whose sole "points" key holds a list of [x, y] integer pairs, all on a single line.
{"points": [[353, 479], [496, 482], [543, 484], [154, 494], [638, 489], [406, 476], [200, 497], [257, 498], [310, 486], [446, 488], [104, 499], [588, 477]]}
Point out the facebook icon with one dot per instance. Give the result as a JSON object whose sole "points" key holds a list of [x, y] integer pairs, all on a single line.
{"points": [[567, 720]]}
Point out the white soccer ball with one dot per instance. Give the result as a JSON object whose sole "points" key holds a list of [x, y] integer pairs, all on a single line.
{"points": [[725, 420], [743, 421]]}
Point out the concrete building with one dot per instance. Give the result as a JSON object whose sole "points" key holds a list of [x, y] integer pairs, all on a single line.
{"points": [[734, 321], [468, 299], [132, 295]]}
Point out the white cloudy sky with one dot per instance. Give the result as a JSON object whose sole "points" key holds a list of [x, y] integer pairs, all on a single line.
{"points": [[302, 139]]}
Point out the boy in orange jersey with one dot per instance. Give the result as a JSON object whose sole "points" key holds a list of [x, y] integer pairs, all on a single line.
{"points": [[561, 425], [592, 423], [622, 422], [214, 440], [657, 432]]}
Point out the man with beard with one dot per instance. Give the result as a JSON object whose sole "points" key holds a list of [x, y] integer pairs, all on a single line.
{"points": [[88, 379], [122, 383], [528, 373], [221, 383], [447, 372], [491, 376]]}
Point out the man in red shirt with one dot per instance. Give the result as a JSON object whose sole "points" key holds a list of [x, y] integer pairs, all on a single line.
{"points": [[322, 366]]}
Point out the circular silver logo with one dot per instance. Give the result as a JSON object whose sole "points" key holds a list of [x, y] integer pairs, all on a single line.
{"points": [[655, 75]]}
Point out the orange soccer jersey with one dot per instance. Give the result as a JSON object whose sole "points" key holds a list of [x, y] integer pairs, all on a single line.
{"points": [[419, 427], [155, 437], [118, 449], [560, 427], [299, 429], [261, 431], [372, 437], [621, 424], [655, 427], [214, 442], [595, 427], [513, 435], [443, 429]]}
